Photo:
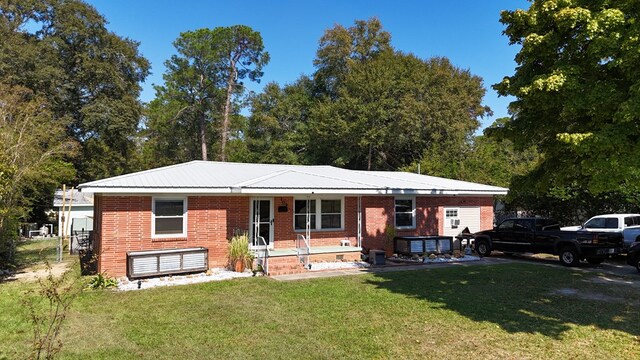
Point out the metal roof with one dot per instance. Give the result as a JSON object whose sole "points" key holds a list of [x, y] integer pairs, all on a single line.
{"points": [[79, 198], [209, 177]]}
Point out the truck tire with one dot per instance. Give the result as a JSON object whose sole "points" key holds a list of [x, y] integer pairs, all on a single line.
{"points": [[569, 256], [482, 248], [595, 261], [638, 263]]}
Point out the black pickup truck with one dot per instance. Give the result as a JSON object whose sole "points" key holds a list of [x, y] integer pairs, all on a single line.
{"points": [[542, 235]]}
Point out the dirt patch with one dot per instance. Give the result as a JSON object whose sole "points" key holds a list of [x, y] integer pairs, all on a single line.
{"points": [[588, 295], [34, 273], [614, 280]]}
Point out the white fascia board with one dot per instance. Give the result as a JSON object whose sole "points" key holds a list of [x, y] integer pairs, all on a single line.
{"points": [[157, 190]]}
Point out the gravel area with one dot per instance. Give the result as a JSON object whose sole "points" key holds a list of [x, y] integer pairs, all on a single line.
{"points": [[212, 275], [218, 275], [338, 265], [222, 274], [451, 259], [434, 259]]}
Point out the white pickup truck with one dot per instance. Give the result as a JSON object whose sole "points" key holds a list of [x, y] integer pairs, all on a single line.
{"points": [[627, 224]]}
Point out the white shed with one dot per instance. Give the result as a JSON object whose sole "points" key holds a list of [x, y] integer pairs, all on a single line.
{"points": [[81, 215]]}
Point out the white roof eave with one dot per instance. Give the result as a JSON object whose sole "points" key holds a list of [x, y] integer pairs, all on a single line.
{"points": [[289, 191]]}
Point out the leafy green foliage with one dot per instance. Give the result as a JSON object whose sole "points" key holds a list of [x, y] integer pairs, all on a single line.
{"points": [[276, 130], [486, 159], [102, 281], [179, 121], [578, 94], [202, 94], [367, 106], [242, 56], [32, 148], [48, 307], [340, 47], [393, 108], [89, 76], [239, 251]]}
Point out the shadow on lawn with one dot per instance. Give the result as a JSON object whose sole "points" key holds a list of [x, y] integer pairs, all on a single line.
{"points": [[519, 298]]}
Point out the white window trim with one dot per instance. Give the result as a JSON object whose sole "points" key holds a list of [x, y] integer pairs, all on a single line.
{"points": [[318, 214], [413, 212], [457, 209], [184, 217]]}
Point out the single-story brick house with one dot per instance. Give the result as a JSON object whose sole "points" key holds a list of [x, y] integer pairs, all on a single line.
{"points": [[332, 213]]}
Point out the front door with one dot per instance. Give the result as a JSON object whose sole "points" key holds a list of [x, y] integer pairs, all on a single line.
{"points": [[261, 222]]}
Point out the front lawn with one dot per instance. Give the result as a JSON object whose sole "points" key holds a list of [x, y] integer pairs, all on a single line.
{"points": [[515, 311]]}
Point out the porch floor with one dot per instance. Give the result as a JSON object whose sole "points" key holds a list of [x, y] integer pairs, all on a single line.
{"points": [[315, 250]]}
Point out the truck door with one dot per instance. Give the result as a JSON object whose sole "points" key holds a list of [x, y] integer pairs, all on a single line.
{"points": [[503, 236], [522, 240]]}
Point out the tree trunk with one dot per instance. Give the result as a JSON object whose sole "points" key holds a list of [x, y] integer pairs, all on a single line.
{"points": [[227, 109], [369, 158], [203, 125], [203, 136]]}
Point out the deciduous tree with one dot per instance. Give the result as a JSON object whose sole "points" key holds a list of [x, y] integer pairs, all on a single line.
{"points": [[577, 89], [90, 77], [33, 146]]}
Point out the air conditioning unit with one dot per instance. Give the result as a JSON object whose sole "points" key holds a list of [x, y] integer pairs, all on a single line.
{"points": [[455, 223]]}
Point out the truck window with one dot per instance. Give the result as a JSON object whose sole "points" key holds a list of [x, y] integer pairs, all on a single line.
{"points": [[523, 225], [547, 224], [602, 223], [506, 225], [611, 223], [631, 221], [596, 223]]}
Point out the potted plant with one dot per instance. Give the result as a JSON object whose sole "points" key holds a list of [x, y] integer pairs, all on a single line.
{"points": [[240, 257], [390, 232]]}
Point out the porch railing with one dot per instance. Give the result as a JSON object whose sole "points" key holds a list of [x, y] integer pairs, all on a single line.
{"points": [[303, 249], [262, 254]]}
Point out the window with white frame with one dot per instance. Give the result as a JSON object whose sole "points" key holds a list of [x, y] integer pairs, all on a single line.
{"points": [[329, 211], [169, 217], [300, 214], [405, 212], [451, 213], [451, 217]]}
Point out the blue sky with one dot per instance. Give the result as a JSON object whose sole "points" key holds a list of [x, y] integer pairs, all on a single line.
{"points": [[468, 32]]}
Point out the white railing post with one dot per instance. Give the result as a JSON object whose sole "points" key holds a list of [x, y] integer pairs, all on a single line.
{"points": [[359, 240]]}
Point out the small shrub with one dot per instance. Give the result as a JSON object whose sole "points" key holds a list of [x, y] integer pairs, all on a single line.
{"points": [[102, 281], [47, 308]]}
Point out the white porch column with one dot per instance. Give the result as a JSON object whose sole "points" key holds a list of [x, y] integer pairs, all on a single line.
{"points": [[359, 238], [308, 227]]}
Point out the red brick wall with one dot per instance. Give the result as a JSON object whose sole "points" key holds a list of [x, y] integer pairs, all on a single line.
{"points": [[285, 235], [126, 226], [380, 211], [123, 224]]}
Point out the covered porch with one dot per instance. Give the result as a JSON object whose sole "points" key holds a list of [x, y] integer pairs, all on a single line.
{"points": [[281, 261], [289, 233]]}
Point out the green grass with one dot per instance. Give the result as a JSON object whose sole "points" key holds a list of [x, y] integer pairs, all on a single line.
{"points": [[483, 312], [32, 252]]}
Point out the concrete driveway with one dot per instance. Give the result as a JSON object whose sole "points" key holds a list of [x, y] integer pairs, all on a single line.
{"points": [[613, 267], [616, 266]]}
